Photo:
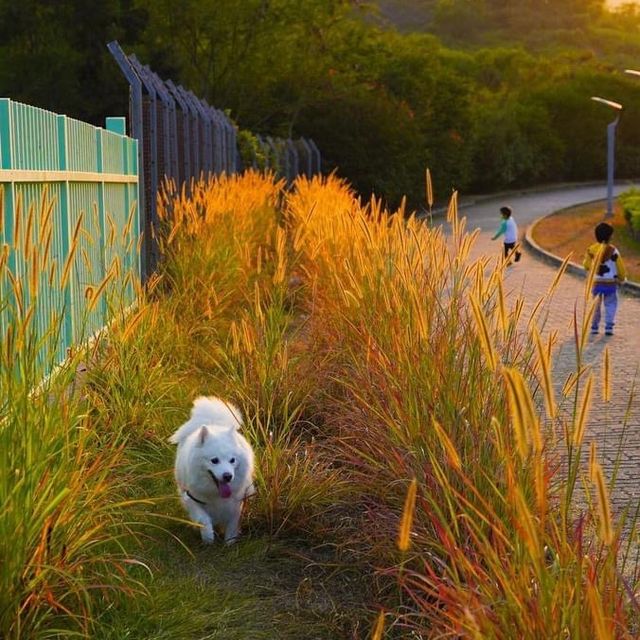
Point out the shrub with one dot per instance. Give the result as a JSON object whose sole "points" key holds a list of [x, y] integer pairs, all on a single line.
{"points": [[251, 151], [630, 202]]}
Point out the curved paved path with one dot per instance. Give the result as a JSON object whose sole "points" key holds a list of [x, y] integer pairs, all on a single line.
{"points": [[610, 423]]}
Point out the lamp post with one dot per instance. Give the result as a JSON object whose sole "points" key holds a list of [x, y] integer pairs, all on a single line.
{"points": [[611, 142]]}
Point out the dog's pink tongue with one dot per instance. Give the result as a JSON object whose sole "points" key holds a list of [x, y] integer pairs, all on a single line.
{"points": [[224, 490]]}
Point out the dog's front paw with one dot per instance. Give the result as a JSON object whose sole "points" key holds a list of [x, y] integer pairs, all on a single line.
{"points": [[208, 536]]}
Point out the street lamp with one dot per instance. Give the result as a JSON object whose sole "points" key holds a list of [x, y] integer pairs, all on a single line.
{"points": [[611, 142]]}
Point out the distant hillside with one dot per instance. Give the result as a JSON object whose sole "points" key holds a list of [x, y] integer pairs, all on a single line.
{"points": [[416, 15], [405, 15]]}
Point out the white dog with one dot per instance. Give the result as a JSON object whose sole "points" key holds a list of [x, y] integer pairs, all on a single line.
{"points": [[214, 467]]}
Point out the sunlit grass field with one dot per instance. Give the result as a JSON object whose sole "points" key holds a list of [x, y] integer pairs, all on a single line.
{"points": [[407, 436]]}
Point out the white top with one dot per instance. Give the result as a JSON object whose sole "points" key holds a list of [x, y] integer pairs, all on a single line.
{"points": [[511, 231]]}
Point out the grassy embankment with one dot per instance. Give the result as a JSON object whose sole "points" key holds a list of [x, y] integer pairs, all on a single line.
{"points": [[569, 232], [386, 386]]}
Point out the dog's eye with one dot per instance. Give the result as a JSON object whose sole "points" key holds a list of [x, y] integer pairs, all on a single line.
{"points": [[232, 460], [215, 460]]}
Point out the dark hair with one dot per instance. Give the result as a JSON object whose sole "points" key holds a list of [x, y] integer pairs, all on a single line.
{"points": [[505, 211], [604, 232]]}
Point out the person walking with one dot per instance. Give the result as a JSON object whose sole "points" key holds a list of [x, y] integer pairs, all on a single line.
{"points": [[509, 229], [609, 273]]}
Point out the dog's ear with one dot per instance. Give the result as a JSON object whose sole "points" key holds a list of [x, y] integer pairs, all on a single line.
{"points": [[202, 436]]}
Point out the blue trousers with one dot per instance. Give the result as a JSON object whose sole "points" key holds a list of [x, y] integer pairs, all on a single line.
{"points": [[608, 298]]}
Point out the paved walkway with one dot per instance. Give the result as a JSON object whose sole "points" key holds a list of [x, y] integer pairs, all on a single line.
{"points": [[609, 424]]}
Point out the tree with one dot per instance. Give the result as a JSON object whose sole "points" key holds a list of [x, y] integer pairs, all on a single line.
{"points": [[53, 54]]}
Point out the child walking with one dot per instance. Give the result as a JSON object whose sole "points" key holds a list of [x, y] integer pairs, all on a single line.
{"points": [[509, 228], [609, 273]]}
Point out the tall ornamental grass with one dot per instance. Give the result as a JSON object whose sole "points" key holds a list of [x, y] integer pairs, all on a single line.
{"points": [[61, 504], [434, 366], [393, 385], [401, 402], [234, 306]]}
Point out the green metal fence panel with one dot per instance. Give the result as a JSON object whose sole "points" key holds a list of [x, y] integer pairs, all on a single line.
{"points": [[81, 138], [5, 133], [89, 268], [35, 138], [113, 155], [69, 227], [37, 221]]}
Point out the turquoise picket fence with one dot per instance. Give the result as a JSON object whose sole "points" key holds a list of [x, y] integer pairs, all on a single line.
{"points": [[69, 227]]}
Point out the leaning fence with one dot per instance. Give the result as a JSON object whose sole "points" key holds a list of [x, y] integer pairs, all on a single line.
{"points": [[182, 137], [69, 226]]}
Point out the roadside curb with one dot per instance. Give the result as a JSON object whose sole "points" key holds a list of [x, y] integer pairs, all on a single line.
{"points": [[467, 201], [471, 200], [628, 288]]}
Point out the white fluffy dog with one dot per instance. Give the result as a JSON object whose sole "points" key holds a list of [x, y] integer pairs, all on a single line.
{"points": [[214, 467]]}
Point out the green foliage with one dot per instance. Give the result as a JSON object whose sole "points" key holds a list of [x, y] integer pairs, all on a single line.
{"points": [[251, 151], [489, 94], [515, 145], [405, 15], [460, 20], [630, 201], [53, 55], [480, 20]]}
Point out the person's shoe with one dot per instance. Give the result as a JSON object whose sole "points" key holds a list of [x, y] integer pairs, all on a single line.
{"points": [[608, 332], [594, 331]]}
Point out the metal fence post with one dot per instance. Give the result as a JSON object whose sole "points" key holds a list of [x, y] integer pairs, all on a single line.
{"points": [[163, 148], [231, 145], [195, 133], [215, 137], [167, 135], [305, 157], [152, 159], [317, 161], [183, 135], [206, 141], [293, 165], [137, 132]]}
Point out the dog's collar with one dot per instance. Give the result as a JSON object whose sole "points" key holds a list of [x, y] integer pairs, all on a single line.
{"points": [[250, 491], [190, 495]]}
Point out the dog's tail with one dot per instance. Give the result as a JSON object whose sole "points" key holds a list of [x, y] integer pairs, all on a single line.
{"points": [[210, 412]]}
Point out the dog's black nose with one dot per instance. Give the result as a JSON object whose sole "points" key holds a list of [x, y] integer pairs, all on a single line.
{"points": [[227, 477]]}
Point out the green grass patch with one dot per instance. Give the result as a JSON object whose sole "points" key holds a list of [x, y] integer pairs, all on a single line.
{"points": [[258, 588]]}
